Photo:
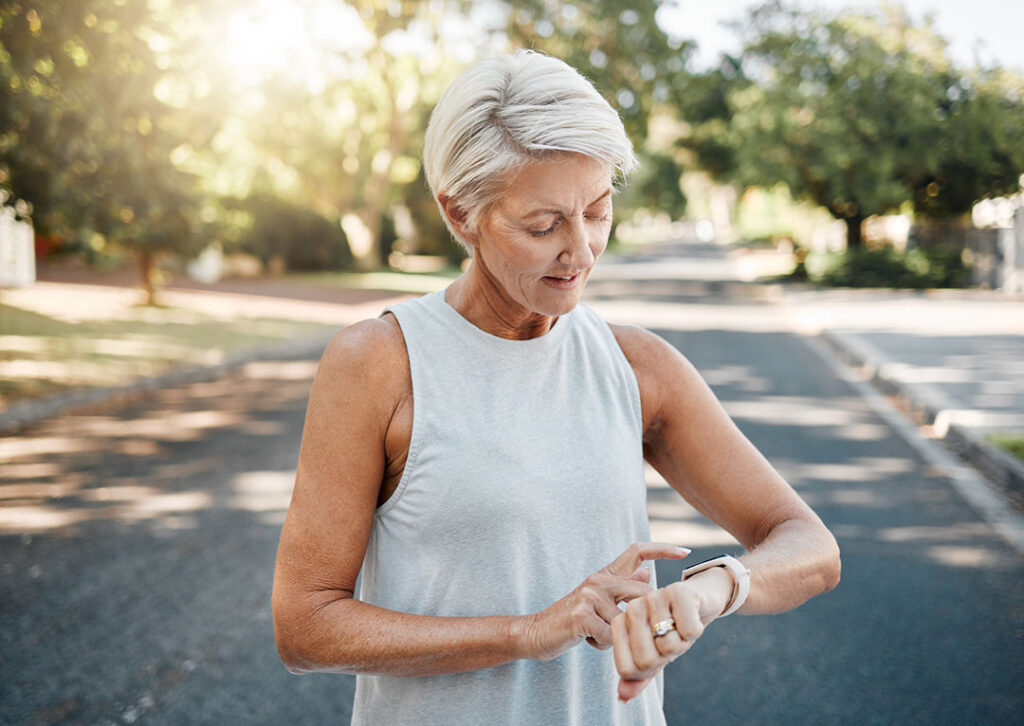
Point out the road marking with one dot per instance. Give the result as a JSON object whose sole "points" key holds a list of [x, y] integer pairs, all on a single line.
{"points": [[972, 486]]}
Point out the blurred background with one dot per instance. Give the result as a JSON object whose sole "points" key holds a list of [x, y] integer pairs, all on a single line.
{"points": [[268, 136]]}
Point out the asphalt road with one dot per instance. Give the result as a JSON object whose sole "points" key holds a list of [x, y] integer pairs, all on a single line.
{"points": [[138, 546]]}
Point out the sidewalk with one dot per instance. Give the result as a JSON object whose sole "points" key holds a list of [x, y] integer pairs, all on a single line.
{"points": [[952, 359]]}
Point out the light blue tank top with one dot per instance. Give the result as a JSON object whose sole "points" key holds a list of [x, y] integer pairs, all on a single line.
{"points": [[524, 475]]}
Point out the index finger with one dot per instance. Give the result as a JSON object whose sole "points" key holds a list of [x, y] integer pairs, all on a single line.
{"points": [[626, 564]]}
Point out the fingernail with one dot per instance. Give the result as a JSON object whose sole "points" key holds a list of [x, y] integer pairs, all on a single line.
{"points": [[684, 550]]}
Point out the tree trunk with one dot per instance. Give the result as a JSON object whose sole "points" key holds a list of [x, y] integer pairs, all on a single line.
{"points": [[375, 195], [369, 261], [150, 276], [853, 232]]}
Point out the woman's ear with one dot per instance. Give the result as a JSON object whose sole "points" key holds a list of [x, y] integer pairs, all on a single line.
{"points": [[456, 216]]}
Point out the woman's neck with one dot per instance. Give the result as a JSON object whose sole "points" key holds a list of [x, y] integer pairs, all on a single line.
{"points": [[481, 300]]}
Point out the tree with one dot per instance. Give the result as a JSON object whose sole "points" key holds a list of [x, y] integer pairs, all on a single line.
{"points": [[978, 147], [84, 139], [618, 45], [706, 106], [347, 144], [858, 113], [621, 48]]}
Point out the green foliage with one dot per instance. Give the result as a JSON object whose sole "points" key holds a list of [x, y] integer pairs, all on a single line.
{"points": [[978, 144], [433, 237], [618, 45], [621, 48], [857, 113], [919, 268], [938, 266], [869, 268], [706, 105], [83, 139], [120, 121], [302, 238], [774, 214], [655, 186], [352, 144]]}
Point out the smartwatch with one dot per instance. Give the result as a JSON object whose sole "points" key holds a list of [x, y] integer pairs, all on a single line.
{"points": [[740, 579]]}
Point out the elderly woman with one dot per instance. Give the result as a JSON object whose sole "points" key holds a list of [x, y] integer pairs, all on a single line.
{"points": [[468, 529]]}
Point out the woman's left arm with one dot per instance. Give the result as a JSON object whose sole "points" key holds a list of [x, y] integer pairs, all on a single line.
{"points": [[692, 442]]}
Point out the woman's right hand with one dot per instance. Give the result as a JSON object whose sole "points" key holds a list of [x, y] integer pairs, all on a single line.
{"points": [[586, 613]]}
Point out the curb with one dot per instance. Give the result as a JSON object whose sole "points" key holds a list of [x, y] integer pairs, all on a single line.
{"points": [[1002, 469], [23, 415], [926, 407]]}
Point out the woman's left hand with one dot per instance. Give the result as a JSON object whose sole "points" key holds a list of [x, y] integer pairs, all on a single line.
{"points": [[687, 606]]}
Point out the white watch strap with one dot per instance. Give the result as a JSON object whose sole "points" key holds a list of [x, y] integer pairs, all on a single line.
{"points": [[740, 579]]}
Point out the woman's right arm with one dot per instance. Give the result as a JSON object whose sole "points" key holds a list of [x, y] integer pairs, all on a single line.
{"points": [[318, 623]]}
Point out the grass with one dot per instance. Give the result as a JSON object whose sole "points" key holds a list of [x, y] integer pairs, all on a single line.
{"points": [[1013, 443], [56, 339], [43, 353]]}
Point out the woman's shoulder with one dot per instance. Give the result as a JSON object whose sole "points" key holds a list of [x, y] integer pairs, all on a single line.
{"points": [[642, 348], [370, 353], [660, 369]]}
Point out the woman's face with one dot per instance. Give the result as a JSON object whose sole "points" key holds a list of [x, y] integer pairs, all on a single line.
{"points": [[538, 244]]}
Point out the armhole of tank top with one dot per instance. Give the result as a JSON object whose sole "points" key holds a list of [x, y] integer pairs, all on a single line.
{"points": [[632, 382], [414, 436]]}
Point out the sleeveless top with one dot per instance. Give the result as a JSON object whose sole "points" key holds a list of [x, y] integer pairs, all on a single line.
{"points": [[524, 476]]}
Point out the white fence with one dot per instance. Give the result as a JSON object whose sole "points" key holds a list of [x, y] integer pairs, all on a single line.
{"points": [[17, 251], [1013, 259]]}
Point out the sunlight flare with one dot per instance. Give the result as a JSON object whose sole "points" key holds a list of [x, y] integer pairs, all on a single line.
{"points": [[291, 39]]}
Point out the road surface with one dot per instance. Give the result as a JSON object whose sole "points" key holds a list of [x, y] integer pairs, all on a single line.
{"points": [[137, 548]]}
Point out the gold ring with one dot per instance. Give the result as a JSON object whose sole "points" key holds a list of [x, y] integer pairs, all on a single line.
{"points": [[663, 628]]}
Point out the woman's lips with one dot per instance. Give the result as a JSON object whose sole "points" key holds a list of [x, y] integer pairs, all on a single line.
{"points": [[563, 282]]}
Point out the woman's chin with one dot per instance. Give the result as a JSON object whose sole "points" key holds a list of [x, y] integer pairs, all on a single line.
{"points": [[558, 296], [562, 303]]}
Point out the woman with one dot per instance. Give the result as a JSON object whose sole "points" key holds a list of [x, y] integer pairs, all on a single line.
{"points": [[476, 455]]}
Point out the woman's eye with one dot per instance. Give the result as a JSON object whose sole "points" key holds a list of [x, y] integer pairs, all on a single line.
{"points": [[542, 232]]}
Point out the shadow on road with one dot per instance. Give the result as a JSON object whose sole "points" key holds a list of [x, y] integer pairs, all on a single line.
{"points": [[144, 464]]}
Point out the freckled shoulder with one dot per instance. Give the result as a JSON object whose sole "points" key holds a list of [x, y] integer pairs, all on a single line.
{"points": [[369, 359], [377, 339]]}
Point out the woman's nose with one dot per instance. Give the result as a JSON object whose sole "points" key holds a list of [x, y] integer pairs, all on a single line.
{"points": [[578, 250]]}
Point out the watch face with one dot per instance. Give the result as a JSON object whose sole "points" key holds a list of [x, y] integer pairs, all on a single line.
{"points": [[709, 560], [716, 561]]}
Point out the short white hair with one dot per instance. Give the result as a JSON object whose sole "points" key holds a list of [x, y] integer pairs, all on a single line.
{"points": [[505, 111]]}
